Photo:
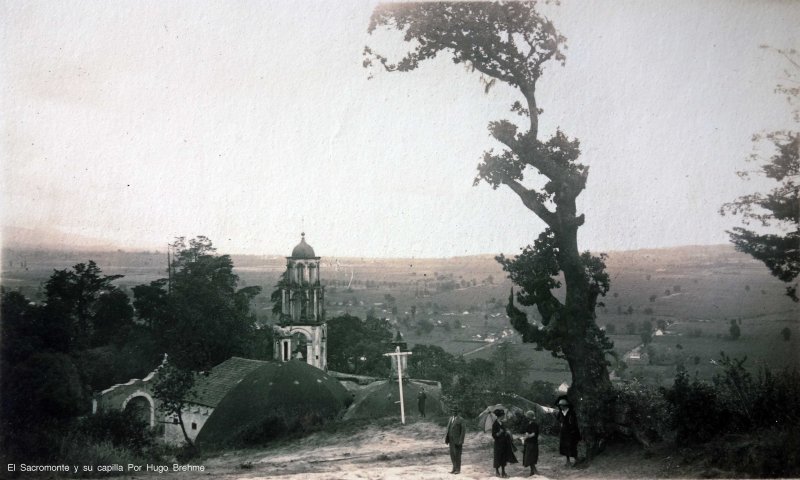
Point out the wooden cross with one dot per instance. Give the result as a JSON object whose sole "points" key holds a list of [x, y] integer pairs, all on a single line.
{"points": [[398, 358]]}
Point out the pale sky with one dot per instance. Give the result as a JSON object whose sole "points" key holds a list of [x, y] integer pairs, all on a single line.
{"points": [[249, 121]]}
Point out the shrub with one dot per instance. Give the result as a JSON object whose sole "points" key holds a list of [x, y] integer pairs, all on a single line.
{"points": [[694, 412], [773, 453], [735, 402], [641, 411], [79, 451], [734, 330], [108, 438], [120, 429], [786, 333]]}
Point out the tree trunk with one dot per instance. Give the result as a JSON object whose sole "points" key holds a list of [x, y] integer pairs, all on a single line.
{"points": [[183, 429], [590, 393], [591, 386]]}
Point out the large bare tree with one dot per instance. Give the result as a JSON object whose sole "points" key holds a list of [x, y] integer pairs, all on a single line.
{"points": [[510, 43]]}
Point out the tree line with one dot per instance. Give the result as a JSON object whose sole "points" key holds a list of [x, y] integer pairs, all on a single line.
{"points": [[87, 334]]}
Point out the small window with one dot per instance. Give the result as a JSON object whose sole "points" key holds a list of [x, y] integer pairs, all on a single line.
{"points": [[194, 426], [175, 420]]}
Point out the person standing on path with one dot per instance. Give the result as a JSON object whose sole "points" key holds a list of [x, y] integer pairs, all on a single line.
{"points": [[421, 397], [570, 434], [454, 438], [530, 455], [503, 445]]}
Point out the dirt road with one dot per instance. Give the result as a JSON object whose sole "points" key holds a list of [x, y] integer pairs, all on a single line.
{"points": [[413, 451]]}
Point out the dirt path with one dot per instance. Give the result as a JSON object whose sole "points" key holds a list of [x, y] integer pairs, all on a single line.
{"points": [[398, 452]]}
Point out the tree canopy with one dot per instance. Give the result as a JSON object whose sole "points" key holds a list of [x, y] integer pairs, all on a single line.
{"points": [[778, 209], [198, 313], [93, 307], [357, 346]]}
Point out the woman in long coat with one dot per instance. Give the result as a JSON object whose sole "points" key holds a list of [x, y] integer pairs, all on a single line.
{"points": [[570, 434], [503, 445], [530, 455]]}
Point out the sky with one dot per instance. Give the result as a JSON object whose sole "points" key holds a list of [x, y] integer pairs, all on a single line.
{"points": [[251, 121]]}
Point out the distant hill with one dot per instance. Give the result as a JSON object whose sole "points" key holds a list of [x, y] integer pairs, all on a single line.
{"points": [[40, 239]]}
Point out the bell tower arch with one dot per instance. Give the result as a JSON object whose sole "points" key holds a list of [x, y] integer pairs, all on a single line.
{"points": [[302, 316]]}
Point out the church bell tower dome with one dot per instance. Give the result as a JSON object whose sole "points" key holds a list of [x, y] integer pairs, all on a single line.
{"points": [[303, 250]]}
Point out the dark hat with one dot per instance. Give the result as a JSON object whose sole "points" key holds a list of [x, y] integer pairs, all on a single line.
{"points": [[563, 400], [499, 412]]}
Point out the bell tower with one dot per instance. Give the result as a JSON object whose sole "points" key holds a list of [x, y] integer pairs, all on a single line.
{"points": [[302, 316]]}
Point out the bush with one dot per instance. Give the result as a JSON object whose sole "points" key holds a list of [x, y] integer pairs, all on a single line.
{"points": [[641, 412], [79, 451], [735, 402], [694, 413], [773, 453], [786, 333], [734, 330], [120, 429], [108, 438]]}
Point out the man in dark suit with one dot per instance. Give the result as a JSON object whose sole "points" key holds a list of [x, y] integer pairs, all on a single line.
{"points": [[455, 438]]}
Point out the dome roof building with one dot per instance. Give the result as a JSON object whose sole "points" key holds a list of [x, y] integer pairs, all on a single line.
{"points": [[271, 400], [303, 250]]}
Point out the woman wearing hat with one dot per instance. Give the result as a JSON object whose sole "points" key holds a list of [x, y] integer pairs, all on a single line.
{"points": [[570, 435], [503, 444], [530, 455]]}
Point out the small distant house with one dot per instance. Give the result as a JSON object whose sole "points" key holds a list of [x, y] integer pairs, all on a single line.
{"points": [[638, 357]]}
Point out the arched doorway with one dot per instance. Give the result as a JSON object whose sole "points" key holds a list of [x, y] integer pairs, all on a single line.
{"points": [[141, 407]]}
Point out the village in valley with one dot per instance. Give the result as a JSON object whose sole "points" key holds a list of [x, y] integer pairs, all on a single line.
{"points": [[641, 334]]}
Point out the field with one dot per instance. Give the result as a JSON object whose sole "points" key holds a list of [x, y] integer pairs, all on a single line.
{"points": [[695, 291]]}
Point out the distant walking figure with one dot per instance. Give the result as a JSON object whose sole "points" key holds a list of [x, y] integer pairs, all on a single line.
{"points": [[421, 402], [570, 435], [503, 445], [455, 438], [530, 455]]}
